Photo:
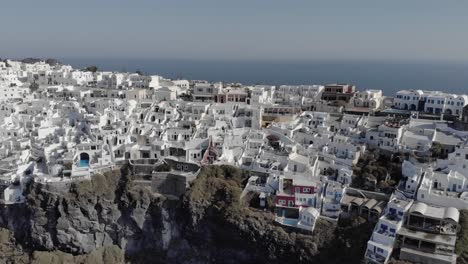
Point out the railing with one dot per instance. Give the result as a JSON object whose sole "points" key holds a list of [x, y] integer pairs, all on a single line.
{"points": [[286, 221], [374, 257], [385, 233]]}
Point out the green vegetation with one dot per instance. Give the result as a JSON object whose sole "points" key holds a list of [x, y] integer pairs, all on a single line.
{"points": [[52, 62], [92, 68], [219, 187], [33, 87], [100, 185], [163, 168], [216, 213], [105, 255], [31, 60], [437, 151], [461, 248], [54, 257], [10, 252], [186, 96], [139, 72], [376, 172]]}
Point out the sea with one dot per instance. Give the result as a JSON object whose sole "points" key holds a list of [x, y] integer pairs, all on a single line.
{"points": [[389, 76]]}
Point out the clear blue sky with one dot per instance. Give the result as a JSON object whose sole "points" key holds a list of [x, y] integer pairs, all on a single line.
{"points": [[250, 29]]}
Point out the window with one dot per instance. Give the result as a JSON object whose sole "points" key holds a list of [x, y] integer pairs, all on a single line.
{"points": [[298, 189], [306, 190]]}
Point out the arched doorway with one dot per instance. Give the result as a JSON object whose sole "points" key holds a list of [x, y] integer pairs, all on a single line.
{"points": [[84, 160], [413, 107]]}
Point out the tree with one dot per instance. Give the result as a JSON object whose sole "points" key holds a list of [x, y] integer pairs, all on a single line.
{"points": [[436, 150], [30, 60], [139, 72], [52, 62], [92, 68], [33, 87]]}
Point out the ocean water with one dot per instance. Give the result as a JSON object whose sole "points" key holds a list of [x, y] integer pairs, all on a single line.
{"points": [[389, 76]]}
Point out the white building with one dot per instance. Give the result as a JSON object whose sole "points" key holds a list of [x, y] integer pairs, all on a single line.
{"points": [[368, 98], [442, 103], [410, 100]]}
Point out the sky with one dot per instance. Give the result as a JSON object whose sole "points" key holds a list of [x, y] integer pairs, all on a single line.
{"points": [[236, 30]]}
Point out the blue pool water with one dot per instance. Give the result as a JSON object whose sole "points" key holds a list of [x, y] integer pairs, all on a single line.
{"points": [[83, 163], [290, 222]]}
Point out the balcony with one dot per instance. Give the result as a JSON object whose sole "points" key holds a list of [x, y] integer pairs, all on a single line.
{"points": [[375, 257], [432, 225], [384, 238]]}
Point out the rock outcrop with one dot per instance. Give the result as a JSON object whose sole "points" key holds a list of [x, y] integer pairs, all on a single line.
{"points": [[11, 252], [113, 215], [107, 211], [222, 229]]}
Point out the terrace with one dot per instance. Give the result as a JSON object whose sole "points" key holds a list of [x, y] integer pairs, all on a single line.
{"points": [[438, 226]]}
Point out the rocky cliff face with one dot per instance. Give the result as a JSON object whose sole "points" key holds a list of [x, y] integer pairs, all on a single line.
{"points": [[113, 215], [109, 210], [223, 229]]}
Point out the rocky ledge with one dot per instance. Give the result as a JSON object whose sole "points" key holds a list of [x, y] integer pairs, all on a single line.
{"points": [[113, 219]]}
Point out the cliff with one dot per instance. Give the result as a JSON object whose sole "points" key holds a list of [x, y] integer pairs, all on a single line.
{"points": [[220, 225], [108, 211], [113, 216]]}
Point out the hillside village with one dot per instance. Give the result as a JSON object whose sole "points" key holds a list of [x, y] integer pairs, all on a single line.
{"points": [[312, 151]]}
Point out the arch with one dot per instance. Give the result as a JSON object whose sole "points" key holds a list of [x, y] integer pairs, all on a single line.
{"points": [[84, 156], [413, 107], [405, 106], [84, 160], [448, 111], [358, 102]]}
